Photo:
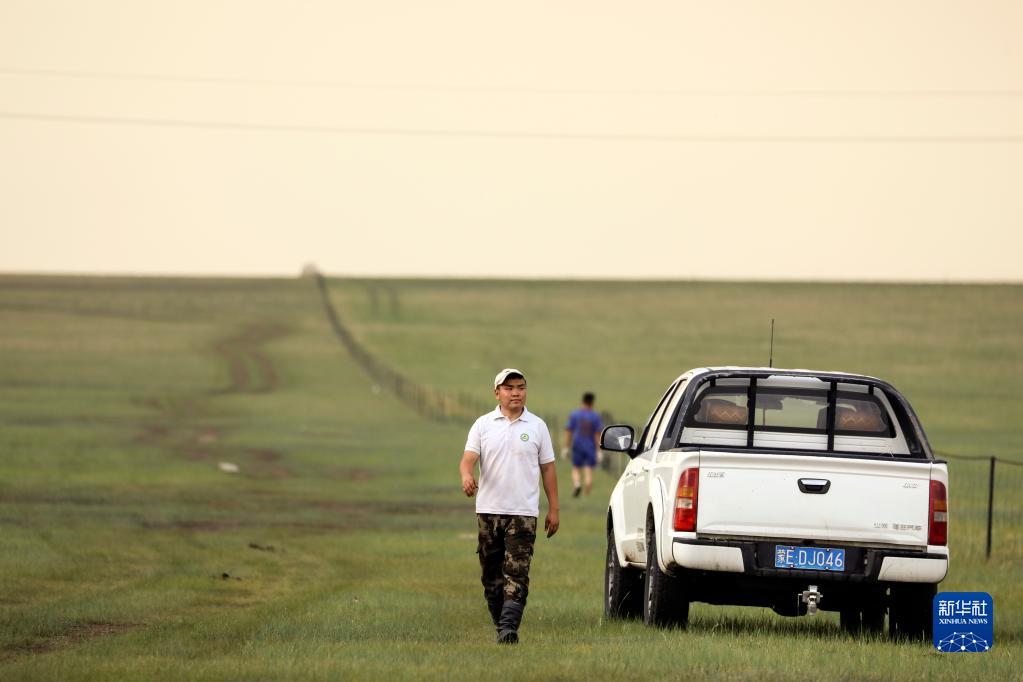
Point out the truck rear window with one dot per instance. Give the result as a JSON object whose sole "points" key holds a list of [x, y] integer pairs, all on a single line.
{"points": [[803, 412], [793, 410]]}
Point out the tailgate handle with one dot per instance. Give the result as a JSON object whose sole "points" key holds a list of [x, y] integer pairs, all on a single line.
{"points": [[814, 486]]}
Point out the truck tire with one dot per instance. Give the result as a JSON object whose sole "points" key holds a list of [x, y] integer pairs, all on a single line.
{"points": [[873, 620], [910, 611], [623, 586], [849, 620], [664, 603], [863, 614], [866, 621]]}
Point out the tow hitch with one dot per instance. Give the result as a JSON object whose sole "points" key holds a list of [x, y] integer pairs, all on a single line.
{"points": [[811, 597]]}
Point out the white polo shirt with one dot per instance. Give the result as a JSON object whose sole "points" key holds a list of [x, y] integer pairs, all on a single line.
{"points": [[511, 453]]}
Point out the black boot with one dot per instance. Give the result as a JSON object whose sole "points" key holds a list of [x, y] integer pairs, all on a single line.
{"points": [[495, 610], [508, 625]]}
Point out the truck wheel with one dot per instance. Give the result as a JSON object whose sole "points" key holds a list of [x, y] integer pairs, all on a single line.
{"points": [[873, 620], [865, 621], [849, 620], [664, 603], [863, 612], [623, 586], [910, 611]]}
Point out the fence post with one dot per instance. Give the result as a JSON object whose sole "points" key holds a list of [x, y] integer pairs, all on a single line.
{"points": [[990, 506]]}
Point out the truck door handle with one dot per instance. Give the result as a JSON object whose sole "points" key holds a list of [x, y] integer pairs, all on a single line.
{"points": [[814, 486]]}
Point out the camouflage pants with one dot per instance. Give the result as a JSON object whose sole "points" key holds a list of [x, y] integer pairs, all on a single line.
{"points": [[505, 549]]}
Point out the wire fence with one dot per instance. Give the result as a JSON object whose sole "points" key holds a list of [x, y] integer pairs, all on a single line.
{"points": [[985, 506], [424, 400]]}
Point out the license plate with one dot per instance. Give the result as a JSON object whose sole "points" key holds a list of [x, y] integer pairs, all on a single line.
{"points": [[809, 558]]}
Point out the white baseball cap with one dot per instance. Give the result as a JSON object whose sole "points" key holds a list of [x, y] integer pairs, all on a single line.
{"points": [[503, 374]]}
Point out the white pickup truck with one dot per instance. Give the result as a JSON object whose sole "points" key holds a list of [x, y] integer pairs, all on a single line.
{"points": [[789, 489]]}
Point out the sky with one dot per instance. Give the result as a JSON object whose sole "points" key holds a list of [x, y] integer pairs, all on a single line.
{"points": [[784, 140]]}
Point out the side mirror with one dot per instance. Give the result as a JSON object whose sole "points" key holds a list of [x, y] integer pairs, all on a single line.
{"points": [[617, 438]]}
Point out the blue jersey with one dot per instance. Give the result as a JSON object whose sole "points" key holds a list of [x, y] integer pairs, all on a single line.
{"points": [[584, 425]]}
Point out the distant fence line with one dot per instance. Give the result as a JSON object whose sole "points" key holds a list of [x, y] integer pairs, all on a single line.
{"points": [[424, 400]]}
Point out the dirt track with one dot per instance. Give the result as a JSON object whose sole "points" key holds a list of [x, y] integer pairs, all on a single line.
{"points": [[179, 425], [250, 369]]}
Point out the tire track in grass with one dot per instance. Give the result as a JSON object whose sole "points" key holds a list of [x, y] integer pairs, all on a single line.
{"points": [[250, 369], [72, 635], [181, 428]]}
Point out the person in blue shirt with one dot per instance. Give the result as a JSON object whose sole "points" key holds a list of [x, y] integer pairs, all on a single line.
{"points": [[582, 436]]}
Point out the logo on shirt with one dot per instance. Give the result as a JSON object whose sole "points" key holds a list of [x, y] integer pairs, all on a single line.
{"points": [[524, 437]]}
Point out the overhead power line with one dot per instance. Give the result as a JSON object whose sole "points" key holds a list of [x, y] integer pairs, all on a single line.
{"points": [[496, 89], [504, 134]]}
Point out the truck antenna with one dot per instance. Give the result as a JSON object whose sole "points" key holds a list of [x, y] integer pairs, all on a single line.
{"points": [[770, 360]]}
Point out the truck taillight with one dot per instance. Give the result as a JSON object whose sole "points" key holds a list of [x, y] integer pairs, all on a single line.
{"points": [[937, 514], [685, 499]]}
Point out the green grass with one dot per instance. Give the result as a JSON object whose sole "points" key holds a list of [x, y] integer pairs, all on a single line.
{"points": [[347, 547]]}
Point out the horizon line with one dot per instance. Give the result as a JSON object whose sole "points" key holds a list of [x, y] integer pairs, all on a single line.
{"points": [[114, 274]]}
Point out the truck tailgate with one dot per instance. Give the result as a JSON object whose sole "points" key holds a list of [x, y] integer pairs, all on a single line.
{"points": [[867, 500]]}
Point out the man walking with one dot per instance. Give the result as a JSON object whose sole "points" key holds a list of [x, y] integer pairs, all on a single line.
{"points": [[514, 450], [582, 435]]}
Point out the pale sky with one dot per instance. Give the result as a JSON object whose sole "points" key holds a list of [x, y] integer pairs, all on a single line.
{"points": [[876, 140]]}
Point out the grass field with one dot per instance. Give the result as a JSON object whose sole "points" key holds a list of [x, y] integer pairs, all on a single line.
{"points": [[342, 547]]}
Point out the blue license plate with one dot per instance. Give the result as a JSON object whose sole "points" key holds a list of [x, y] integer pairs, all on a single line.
{"points": [[809, 558]]}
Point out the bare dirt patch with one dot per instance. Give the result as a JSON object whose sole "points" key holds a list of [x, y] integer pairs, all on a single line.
{"points": [[264, 470], [265, 454], [262, 548], [388, 508], [191, 524], [351, 473], [75, 634], [207, 435], [153, 434], [198, 454]]}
